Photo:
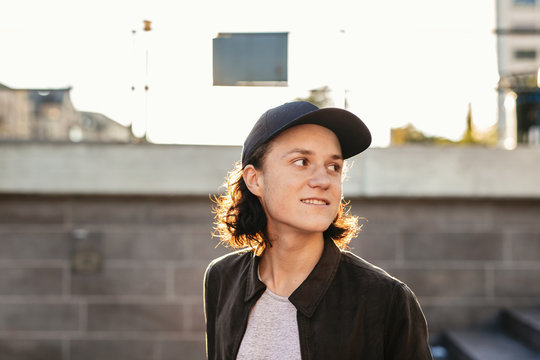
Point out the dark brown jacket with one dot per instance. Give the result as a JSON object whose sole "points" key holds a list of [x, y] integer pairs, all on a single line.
{"points": [[347, 308]]}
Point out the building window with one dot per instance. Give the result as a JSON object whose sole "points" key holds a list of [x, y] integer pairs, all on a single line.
{"points": [[525, 2], [525, 54]]}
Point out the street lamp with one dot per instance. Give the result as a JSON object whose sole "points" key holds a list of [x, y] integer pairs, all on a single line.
{"points": [[147, 27]]}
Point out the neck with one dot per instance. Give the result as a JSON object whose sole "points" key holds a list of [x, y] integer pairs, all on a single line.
{"points": [[289, 261]]}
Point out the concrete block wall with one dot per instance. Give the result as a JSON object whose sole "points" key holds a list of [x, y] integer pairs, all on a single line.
{"points": [[144, 302], [465, 259]]}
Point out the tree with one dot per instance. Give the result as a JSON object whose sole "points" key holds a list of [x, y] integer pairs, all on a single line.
{"points": [[472, 136], [318, 97], [468, 137], [411, 135]]}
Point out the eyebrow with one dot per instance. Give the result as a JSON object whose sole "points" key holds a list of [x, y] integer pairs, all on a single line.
{"points": [[309, 152]]}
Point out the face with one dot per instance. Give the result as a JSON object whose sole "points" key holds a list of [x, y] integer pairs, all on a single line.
{"points": [[299, 184]]}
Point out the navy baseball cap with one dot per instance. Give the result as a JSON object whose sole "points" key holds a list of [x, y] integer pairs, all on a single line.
{"points": [[352, 133]]}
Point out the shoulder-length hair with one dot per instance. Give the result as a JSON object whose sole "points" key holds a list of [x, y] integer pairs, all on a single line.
{"points": [[240, 220]]}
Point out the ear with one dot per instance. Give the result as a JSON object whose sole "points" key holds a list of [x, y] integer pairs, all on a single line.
{"points": [[253, 179]]}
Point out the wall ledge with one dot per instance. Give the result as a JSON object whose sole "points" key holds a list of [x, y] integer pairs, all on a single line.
{"points": [[194, 170]]}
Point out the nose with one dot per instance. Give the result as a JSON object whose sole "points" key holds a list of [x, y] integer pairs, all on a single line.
{"points": [[320, 178]]}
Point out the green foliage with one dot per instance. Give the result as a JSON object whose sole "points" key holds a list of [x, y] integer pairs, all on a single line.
{"points": [[472, 136], [318, 97], [411, 135]]}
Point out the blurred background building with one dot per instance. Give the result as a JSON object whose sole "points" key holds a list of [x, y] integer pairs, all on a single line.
{"points": [[49, 115], [518, 55]]}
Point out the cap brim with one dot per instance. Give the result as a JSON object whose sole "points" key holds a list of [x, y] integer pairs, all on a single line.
{"points": [[352, 133]]}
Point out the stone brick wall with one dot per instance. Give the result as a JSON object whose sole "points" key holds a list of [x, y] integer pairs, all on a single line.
{"points": [[465, 259], [120, 277], [145, 302]]}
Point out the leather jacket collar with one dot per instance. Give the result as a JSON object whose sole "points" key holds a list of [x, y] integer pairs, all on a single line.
{"points": [[308, 295]]}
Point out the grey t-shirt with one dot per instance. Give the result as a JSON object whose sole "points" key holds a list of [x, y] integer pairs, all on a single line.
{"points": [[272, 330]]}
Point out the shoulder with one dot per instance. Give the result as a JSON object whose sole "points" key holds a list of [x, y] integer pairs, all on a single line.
{"points": [[233, 263], [375, 278], [355, 263], [367, 274], [233, 259]]}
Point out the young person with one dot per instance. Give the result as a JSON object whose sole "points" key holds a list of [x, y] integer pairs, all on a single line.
{"points": [[293, 291]]}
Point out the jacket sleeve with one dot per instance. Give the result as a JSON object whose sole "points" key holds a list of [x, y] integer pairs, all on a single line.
{"points": [[406, 327], [209, 314]]}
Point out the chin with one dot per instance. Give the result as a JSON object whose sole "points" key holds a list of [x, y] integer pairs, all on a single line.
{"points": [[319, 228]]}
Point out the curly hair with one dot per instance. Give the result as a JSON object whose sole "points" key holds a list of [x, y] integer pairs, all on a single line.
{"points": [[240, 220]]}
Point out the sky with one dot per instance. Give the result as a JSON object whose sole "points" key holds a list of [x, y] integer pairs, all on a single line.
{"points": [[418, 61]]}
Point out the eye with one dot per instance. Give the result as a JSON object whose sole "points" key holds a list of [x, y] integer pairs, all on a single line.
{"points": [[335, 167], [300, 162]]}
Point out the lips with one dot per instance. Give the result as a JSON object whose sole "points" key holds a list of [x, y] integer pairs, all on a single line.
{"points": [[313, 201]]}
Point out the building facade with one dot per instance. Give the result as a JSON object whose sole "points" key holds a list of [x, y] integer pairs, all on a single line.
{"points": [[518, 53], [49, 115]]}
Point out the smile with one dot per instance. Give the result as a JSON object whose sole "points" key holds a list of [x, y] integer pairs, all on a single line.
{"points": [[314, 202]]}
